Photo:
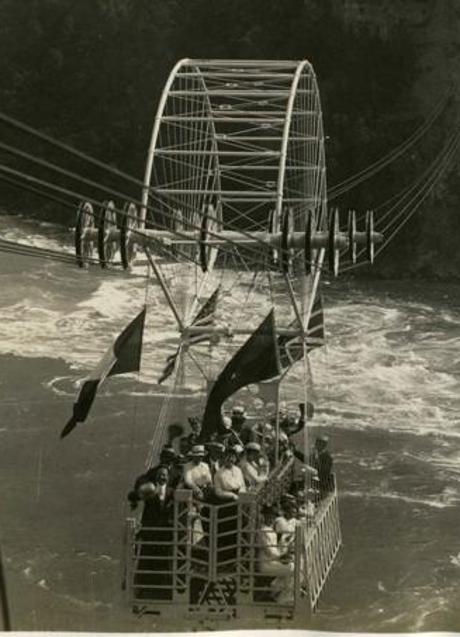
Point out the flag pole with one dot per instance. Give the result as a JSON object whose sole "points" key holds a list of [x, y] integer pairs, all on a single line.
{"points": [[6, 618], [277, 423]]}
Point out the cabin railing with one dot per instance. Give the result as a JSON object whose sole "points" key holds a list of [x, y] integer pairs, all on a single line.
{"points": [[321, 543], [208, 561]]}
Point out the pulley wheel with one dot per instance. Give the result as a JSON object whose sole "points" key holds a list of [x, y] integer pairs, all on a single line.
{"points": [[273, 229], [106, 245], [287, 227], [129, 223], [352, 235], [85, 221], [309, 252], [370, 236], [211, 224], [333, 250]]}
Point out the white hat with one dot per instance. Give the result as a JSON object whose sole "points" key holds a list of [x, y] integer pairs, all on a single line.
{"points": [[197, 450], [227, 422]]}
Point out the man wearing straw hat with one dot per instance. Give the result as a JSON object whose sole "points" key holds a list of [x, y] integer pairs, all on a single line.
{"points": [[197, 475]]}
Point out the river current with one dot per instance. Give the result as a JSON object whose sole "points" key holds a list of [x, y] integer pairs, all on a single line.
{"points": [[388, 395]]}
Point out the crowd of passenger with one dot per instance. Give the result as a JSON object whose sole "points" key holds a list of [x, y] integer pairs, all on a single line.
{"points": [[237, 459]]}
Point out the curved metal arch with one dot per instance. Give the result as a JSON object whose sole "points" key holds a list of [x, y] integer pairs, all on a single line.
{"points": [[287, 126], [309, 286], [154, 137], [249, 109], [302, 66]]}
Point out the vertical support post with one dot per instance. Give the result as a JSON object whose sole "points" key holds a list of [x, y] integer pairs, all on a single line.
{"points": [[6, 618], [297, 565], [213, 543], [277, 423], [129, 557]]}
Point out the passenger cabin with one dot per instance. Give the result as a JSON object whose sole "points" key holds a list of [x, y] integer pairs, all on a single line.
{"points": [[205, 566]]}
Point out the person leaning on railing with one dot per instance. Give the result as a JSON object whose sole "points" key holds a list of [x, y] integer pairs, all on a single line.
{"points": [[321, 460], [215, 455], [229, 480], [155, 537], [167, 459], [197, 475]]}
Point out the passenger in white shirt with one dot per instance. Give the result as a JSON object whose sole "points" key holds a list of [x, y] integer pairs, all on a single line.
{"points": [[255, 470], [214, 457], [285, 525], [197, 475], [274, 559], [228, 480]]}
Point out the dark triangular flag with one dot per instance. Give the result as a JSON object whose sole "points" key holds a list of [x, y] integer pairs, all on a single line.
{"points": [[255, 361], [124, 356]]}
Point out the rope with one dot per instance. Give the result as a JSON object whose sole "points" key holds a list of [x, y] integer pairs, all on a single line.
{"points": [[354, 180]]}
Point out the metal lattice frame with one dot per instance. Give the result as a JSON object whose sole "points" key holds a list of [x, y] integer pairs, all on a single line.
{"points": [[242, 139]]}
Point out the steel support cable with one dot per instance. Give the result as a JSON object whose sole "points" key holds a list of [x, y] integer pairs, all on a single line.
{"points": [[20, 249], [440, 171], [80, 196], [52, 141], [432, 177], [89, 182], [422, 193], [399, 196], [437, 166], [37, 191], [395, 153], [332, 193], [63, 257], [11, 121], [419, 183], [402, 195]]}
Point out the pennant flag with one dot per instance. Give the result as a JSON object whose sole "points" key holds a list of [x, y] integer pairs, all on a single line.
{"points": [[291, 349], [205, 317], [124, 356], [255, 361]]}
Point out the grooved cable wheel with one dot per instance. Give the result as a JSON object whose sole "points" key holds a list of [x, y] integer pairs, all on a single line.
{"points": [[129, 223], [107, 246], [85, 221]]}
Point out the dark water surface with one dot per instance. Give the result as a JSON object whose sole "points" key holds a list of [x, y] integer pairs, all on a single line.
{"points": [[388, 387]]}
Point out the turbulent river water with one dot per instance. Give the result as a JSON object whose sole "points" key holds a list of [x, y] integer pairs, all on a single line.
{"points": [[388, 395]]}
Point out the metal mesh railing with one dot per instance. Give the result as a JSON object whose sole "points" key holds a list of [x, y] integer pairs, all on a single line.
{"points": [[209, 559]]}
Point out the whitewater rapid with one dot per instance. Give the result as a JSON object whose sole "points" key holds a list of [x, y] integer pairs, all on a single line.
{"points": [[387, 388]]}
